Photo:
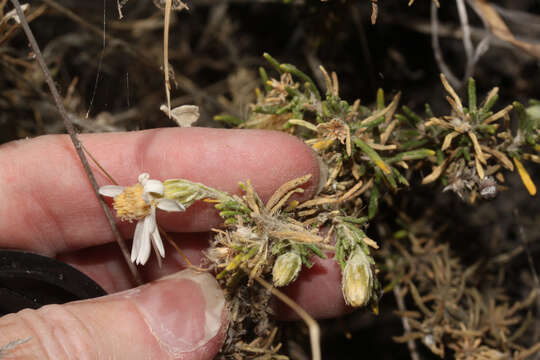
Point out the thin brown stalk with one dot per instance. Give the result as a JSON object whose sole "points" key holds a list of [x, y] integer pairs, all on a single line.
{"points": [[166, 53], [467, 43], [177, 248], [313, 327], [111, 179], [437, 47], [73, 135]]}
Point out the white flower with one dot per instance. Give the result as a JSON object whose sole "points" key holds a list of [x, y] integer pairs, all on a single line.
{"points": [[139, 202]]}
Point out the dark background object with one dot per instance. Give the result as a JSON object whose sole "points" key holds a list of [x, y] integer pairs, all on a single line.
{"points": [[29, 280]]}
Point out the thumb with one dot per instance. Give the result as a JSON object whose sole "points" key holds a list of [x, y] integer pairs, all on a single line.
{"points": [[182, 316]]}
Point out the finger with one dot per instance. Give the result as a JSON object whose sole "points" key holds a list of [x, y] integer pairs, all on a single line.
{"points": [[317, 289], [180, 317], [48, 206], [105, 264]]}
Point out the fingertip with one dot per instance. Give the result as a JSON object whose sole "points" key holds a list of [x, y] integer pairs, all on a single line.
{"points": [[182, 316], [186, 314], [317, 290]]}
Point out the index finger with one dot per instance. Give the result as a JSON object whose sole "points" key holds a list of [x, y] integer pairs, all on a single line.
{"points": [[48, 204]]}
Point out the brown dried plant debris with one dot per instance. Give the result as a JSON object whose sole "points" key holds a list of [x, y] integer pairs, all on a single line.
{"points": [[451, 311]]}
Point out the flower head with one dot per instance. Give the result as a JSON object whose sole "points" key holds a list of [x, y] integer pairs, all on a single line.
{"points": [[357, 279], [139, 202], [286, 268]]}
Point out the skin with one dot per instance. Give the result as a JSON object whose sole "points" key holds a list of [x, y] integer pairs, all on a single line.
{"points": [[48, 207]]}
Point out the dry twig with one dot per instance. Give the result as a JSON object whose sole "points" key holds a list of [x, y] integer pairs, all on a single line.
{"points": [[73, 135]]}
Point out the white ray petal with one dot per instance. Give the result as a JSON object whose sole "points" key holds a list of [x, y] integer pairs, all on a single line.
{"points": [[111, 190], [156, 238], [170, 205], [143, 178], [137, 240], [154, 186], [144, 251]]}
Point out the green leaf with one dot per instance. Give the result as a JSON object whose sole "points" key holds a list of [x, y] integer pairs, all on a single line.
{"points": [[373, 202], [400, 234], [400, 177], [264, 78], [411, 115], [414, 143], [373, 123], [228, 119], [466, 153], [487, 107], [315, 249], [293, 70], [372, 154], [380, 99], [354, 220], [428, 111], [411, 155], [403, 120], [440, 157], [273, 62]]}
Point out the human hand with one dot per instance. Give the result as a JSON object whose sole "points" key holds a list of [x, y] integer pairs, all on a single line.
{"points": [[48, 207]]}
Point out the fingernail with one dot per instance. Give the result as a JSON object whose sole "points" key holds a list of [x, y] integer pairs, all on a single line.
{"points": [[183, 311]]}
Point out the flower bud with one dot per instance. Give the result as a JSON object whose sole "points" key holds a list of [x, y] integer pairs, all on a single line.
{"points": [[183, 191], [286, 268], [357, 280]]}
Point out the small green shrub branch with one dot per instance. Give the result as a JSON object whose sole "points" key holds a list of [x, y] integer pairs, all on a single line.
{"points": [[370, 154], [465, 150]]}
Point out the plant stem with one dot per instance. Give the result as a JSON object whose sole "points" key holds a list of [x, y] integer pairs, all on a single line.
{"points": [[68, 124], [314, 330]]}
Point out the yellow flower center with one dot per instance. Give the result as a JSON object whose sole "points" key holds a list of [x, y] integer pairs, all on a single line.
{"points": [[130, 205]]}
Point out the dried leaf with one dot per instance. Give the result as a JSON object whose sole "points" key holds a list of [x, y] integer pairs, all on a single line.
{"points": [[303, 123], [12, 14], [351, 192], [374, 11], [499, 114], [320, 145], [448, 140], [477, 149], [437, 171], [388, 131], [479, 168], [438, 122], [499, 28], [317, 201], [286, 188], [452, 93], [298, 236], [532, 157], [390, 108], [500, 156], [525, 177], [184, 115]]}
